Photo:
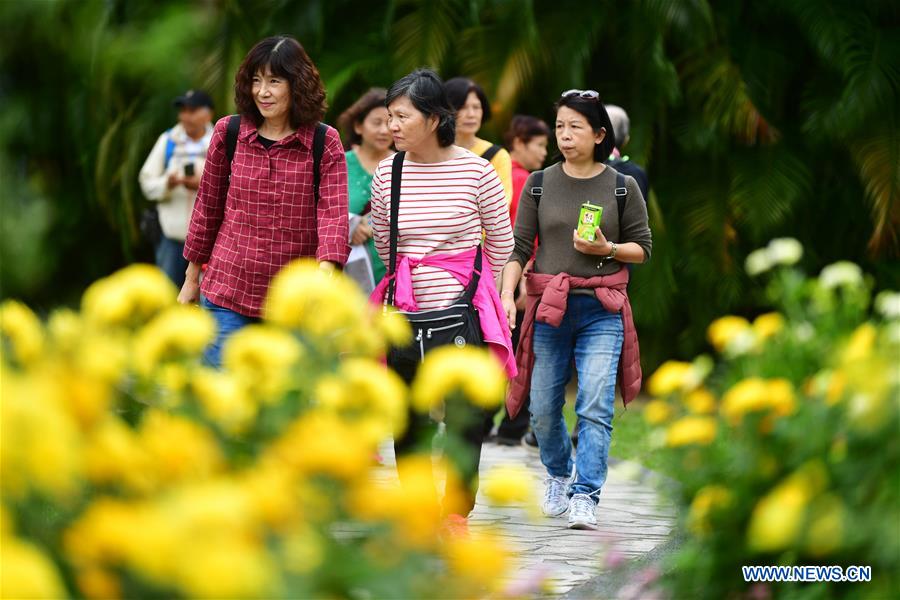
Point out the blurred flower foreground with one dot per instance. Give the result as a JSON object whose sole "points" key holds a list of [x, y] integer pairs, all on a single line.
{"points": [[129, 469], [786, 443]]}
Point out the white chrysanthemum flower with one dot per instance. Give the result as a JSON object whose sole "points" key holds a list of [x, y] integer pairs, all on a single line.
{"points": [[784, 251], [887, 303], [758, 262], [840, 274]]}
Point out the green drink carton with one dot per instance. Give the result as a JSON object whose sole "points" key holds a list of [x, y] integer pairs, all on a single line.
{"points": [[589, 221]]}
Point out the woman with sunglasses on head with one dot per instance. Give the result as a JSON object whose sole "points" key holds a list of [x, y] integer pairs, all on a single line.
{"points": [[577, 304], [472, 111], [447, 197]]}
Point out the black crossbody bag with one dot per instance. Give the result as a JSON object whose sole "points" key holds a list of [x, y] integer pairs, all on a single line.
{"points": [[457, 324]]}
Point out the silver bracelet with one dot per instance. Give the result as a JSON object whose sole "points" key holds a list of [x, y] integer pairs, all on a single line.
{"points": [[612, 254]]}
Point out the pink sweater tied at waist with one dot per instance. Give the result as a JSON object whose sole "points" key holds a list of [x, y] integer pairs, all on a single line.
{"points": [[546, 302], [494, 327]]}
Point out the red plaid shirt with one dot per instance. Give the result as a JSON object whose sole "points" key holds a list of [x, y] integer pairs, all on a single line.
{"points": [[249, 230]]}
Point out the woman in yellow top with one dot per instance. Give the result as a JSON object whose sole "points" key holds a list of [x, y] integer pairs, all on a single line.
{"points": [[473, 109]]}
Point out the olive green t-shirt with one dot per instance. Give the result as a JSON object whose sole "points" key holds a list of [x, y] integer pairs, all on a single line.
{"points": [[557, 216]]}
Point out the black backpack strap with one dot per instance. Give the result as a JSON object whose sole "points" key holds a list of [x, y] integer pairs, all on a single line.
{"points": [[537, 186], [491, 152], [396, 180], [231, 136], [476, 277], [621, 197], [318, 151]]}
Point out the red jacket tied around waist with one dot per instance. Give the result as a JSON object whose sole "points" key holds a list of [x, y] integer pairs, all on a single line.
{"points": [[547, 301]]}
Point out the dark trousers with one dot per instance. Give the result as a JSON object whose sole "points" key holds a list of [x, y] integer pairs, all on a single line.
{"points": [[465, 433]]}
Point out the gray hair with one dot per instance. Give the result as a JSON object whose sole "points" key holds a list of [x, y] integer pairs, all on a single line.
{"points": [[621, 124]]}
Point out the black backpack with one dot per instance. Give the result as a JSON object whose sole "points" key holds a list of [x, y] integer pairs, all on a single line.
{"points": [[234, 127]]}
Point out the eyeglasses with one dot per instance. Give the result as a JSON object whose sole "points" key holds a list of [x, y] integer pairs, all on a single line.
{"points": [[587, 94]]}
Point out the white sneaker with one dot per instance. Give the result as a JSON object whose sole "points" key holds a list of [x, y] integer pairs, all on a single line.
{"points": [[582, 512], [556, 501]]}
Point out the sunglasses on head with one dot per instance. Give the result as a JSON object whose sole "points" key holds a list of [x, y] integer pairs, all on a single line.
{"points": [[587, 94]]}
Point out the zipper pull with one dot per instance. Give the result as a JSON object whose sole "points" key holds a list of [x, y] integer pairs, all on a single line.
{"points": [[429, 334], [419, 336]]}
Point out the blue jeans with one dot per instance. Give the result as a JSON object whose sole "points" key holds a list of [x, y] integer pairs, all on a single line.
{"points": [[593, 337], [169, 258], [227, 322]]}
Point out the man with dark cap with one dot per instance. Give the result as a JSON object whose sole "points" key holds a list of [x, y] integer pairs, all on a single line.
{"points": [[171, 175]]}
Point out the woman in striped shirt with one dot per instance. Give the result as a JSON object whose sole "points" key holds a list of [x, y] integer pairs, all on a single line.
{"points": [[449, 199]]}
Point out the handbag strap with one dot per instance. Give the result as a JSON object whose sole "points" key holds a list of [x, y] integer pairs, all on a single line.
{"points": [[396, 180]]}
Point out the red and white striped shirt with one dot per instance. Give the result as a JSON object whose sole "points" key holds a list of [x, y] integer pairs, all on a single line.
{"points": [[444, 207]]}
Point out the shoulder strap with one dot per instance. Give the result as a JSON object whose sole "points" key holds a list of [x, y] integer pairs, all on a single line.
{"points": [[537, 187], [318, 151], [170, 149], [231, 136], [491, 152], [396, 180], [621, 197]]}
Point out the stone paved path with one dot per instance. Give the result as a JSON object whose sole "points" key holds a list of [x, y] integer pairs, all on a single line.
{"points": [[633, 518]]}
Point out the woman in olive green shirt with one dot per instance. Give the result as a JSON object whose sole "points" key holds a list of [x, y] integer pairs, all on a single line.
{"points": [[367, 140]]}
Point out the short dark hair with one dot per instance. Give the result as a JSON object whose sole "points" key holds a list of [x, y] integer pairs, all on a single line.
{"points": [[285, 57], [598, 118], [524, 128], [426, 92], [357, 113], [458, 90]]}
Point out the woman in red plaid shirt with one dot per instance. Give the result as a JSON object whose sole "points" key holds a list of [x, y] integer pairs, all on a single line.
{"points": [[246, 230]]}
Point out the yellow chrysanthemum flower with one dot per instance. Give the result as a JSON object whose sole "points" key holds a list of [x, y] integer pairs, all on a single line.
{"points": [[365, 391], [670, 377], [129, 297], [479, 558], [749, 395], [114, 456], [859, 346], [179, 449], [320, 442], [265, 358], [691, 431], [22, 329], [781, 397], [657, 412], [509, 485], [412, 507], [305, 297], [224, 399], [28, 572], [179, 333], [700, 402], [725, 330], [767, 325], [448, 369], [707, 501], [777, 519], [825, 533], [395, 327], [40, 442]]}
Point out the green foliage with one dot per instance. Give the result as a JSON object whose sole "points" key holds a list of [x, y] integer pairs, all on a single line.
{"points": [[753, 119], [792, 456]]}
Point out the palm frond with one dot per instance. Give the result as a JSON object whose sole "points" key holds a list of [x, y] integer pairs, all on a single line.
{"points": [[877, 159]]}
